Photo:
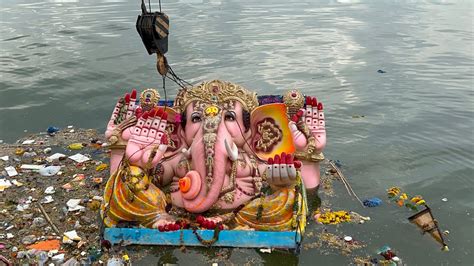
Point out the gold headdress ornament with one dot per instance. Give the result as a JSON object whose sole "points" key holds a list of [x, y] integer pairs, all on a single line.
{"points": [[219, 92]]}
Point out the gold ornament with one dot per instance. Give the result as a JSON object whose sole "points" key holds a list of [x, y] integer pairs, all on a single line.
{"points": [[270, 135], [220, 93], [149, 99], [211, 110], [309, 152], [179, 101], [116, 141], [227, 193], [294, 101]]}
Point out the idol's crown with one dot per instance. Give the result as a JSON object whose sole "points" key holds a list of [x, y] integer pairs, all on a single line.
{"points": [[220, 93]]}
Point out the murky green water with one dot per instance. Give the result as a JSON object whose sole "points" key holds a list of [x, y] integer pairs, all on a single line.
{"points": [[66, 62]]}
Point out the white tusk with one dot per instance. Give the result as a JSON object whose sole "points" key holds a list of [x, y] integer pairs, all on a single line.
{"points": [[186, 152], [232, 153]]}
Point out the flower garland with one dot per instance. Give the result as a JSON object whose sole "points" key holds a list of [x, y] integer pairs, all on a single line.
{"points": [[210, 242], [335, 217], [396, 195], [296, 205]]}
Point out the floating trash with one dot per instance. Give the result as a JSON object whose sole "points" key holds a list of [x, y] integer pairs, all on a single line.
{"points": [[386, 252], [78, 177], [47, 199], [428, 224], [55, 157], [79, 158], [73, 205], [101, 167], [372, 202], [16, 183], [11, 171], [28, 142], [46, 245], [50, 170], [75, 146], [32, 167], [4, 184], [19, 151], [71, 235], [52, 130], [58, 258], [49, 190]]}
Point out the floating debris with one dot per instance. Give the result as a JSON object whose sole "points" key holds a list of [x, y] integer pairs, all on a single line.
{"points": [[11, 171], [52, 129], [31, 167], [357, 218], [79, 158], [71, 235], [29, 213], [49, 190], [55, 157], [46, 245], [28, 142], [101, 167], [372, 202], [389, 256], [4, 183], [401, 199], [330, 240], [73, 205], [428, 224], [16, 183], [75, 146], [49, 170], [47, 199], [336, 217]]}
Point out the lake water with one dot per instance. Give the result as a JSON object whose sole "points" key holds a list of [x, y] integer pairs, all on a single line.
{"points": [[66, 62]]}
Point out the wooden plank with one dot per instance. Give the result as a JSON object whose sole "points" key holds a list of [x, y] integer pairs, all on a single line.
{"points": [[227, 238]]}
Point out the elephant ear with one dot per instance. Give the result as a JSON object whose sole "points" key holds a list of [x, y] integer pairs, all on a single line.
{"points": [[270, 131], [172, 128]]}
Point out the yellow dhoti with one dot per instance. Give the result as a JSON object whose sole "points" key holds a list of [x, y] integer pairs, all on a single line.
{"points": [[129, 196], [278, 212]]}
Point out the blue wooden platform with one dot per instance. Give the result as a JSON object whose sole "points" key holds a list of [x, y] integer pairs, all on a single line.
{"points": [[227, 238]]}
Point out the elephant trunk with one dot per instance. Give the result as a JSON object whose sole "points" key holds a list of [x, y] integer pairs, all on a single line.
{"points": [[201, 188]]}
